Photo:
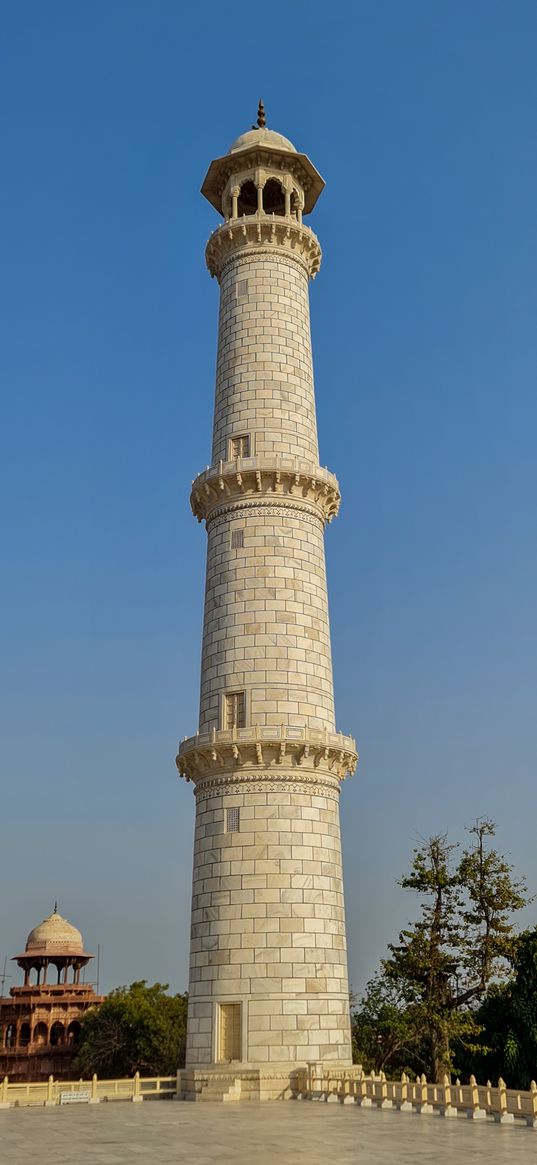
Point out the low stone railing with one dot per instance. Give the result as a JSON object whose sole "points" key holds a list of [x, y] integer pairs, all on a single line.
{"points": [[477, 1101], [51, 1091]]}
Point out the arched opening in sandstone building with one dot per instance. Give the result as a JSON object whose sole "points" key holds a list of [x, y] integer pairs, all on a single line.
{"points": [[247, 203], [57, 1034], [273, 197], [73, 1032], [24, 1035], [11, 1035], [41, 1034]]}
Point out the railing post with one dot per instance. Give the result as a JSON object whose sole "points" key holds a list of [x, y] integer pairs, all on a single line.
{"points": [[404, 1103], [349, 1096], [362, 1099], [423, 1096], [475, 1113], [384, 1102], [50, 1092], [502, 1115], [94, 1099], [314, 1082], [448, 1109], [136, 1093], [532, 1119], [332, 1094], [4, 1102]]}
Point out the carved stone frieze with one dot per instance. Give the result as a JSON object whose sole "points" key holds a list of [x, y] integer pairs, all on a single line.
{"points": [[308, 516], [257, 477], [231, 784], [265, 232]]}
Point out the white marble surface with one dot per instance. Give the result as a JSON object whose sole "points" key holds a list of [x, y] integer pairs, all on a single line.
{"points": [[163, 1132]]}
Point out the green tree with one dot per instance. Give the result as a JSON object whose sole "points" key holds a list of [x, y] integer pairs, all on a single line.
{"points": [[136, 1029], [388, 1029], [442, 964], [508, 1019]]}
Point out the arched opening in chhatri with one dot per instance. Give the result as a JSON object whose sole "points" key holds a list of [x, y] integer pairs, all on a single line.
{"points": [[273, 197], [247, 203]]}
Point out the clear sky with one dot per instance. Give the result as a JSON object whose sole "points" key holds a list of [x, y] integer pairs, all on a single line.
{"points": [[421, 117]]}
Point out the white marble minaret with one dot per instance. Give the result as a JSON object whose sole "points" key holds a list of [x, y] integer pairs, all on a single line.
{"points": [[268, 984]]}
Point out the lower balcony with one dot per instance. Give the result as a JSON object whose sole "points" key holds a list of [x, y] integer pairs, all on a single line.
{"points": [[273, 747]]}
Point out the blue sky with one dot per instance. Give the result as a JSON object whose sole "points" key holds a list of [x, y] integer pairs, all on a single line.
{"points": [[421, 117]]}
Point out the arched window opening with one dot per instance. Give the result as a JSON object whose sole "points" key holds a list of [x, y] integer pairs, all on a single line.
{"points": [[57, 1034], [11, 1035], [24, 1035], [247, 203], [73, 1032], [41, 1034], [273, 197]]}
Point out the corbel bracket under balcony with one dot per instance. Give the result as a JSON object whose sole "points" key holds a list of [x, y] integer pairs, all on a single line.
{"points": [[273, 748], [263, 231], [265, 475]]}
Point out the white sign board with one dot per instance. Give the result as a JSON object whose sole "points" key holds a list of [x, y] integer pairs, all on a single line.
{"points": [[80, 1097]]}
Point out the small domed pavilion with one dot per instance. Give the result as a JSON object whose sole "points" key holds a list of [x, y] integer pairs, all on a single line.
{"points": [[55, 942], [40, 1021]]}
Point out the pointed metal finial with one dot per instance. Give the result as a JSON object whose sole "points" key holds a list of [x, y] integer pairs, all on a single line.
{"points": [[261, 119], [55, 911]]}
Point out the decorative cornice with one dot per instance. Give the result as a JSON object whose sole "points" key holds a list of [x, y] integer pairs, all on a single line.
{"points": [[268, 232], [224, 752], [272, 475]]}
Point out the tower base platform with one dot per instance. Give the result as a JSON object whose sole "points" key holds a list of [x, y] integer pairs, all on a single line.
{"points": [[225, 1083]]}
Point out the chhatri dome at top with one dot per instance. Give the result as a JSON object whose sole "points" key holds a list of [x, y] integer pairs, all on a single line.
{"points": [[260, 135]]}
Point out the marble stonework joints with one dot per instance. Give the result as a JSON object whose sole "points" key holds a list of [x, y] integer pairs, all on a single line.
{"points": [[272, 476], [278, 748]]}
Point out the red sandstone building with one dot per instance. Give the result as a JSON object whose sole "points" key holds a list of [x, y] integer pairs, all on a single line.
{"points": [[40, 1021]]}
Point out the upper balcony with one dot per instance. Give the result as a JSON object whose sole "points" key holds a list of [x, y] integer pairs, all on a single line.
{"points": [[248, 231]]}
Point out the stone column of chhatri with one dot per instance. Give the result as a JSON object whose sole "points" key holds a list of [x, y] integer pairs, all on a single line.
{"points": [[268, 987]]}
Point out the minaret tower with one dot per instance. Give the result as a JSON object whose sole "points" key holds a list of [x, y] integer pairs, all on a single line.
{"points": [[268, 984]]}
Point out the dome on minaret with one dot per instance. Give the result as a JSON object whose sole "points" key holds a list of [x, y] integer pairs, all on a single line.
{"points": [[262, 137], [55, 935]]}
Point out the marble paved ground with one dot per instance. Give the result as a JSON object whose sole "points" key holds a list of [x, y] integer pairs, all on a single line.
{"points": [[162, 1132]]}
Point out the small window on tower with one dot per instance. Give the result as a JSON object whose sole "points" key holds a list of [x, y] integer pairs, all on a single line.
{"points": [[235, 710], [242, 288], [233, 820], [237, 539], [240, 446]]}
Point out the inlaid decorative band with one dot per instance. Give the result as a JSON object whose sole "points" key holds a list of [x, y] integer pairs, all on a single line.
{"points": [[231, 784], [308, 515]]}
